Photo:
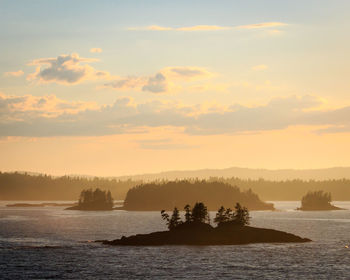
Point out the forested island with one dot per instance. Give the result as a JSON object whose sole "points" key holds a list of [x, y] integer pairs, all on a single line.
{"points": [[154, 197], [23, 186], [317, 201], [94, 200], [232, 229]]}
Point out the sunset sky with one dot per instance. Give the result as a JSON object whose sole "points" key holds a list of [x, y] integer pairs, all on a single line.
{"points": [[128, 87]]}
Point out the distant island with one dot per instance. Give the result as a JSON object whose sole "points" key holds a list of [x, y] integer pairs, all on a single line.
{"points": [[44, 204], [20, 186], [317, 201], [94, 200], [166, 195], [231, 229]]}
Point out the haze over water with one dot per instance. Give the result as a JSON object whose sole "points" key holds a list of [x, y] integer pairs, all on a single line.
{"points": [[50, 242]]}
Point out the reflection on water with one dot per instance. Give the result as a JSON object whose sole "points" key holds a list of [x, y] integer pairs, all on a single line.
{"points": [[50, 242]]}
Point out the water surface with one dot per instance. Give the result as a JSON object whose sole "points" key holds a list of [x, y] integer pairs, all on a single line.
{"points": [[53, 243]]}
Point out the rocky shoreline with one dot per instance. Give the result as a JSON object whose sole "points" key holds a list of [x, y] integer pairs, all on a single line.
{"points": [[205, 234]]}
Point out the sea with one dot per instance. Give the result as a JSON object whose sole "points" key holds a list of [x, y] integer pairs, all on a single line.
{"points": [[53, 243]]}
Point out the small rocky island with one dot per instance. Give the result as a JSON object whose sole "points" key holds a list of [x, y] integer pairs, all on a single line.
{"points": [[94, 200], [317, 201], [232, 229]]}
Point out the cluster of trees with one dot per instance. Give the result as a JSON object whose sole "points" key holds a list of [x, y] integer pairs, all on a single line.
{"points": [[153, 196], [95, 200], [316, 199], [22, 186], [289, 189], [199, 214], [239, 217]]}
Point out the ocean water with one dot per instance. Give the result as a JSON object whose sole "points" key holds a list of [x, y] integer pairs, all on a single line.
{"points": [[53, 243]]}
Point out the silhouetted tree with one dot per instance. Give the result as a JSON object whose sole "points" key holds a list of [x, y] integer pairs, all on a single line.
{"points": [[188, 213], [200, 213], [241, 215], [175, 219], [220, 216], [165, 217]]}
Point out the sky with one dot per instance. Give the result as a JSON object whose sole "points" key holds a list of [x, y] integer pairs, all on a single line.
{"points": [[113, 88]]}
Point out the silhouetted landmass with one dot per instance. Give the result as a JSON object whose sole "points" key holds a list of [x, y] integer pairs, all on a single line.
{"points": [[316, 201], [93, 200], [196, 230], [335, 173], [153, 197], [290, 189], [39, 204], [16, 186], [204, 234]]}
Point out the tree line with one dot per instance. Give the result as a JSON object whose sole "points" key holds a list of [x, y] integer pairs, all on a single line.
{"points": [[22, 186], [199, 215]]}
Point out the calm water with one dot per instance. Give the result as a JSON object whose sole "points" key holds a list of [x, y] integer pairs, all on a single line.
{"points": [[52, 243]]}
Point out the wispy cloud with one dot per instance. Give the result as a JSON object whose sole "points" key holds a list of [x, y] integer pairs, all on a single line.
{"points": [[49, 116], [14, 74], [163, 81], [262, 25]]}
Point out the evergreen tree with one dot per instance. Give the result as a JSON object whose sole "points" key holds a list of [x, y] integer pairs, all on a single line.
{"points": [[188, 214], [220, 216], [175, 219], [241, 215], [200, 213]]}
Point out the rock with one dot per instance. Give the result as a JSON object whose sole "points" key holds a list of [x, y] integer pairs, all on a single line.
{"points": [[204, 234]]}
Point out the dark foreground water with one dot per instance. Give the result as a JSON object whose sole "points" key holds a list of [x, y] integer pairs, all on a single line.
{"points": [[52, 243]]}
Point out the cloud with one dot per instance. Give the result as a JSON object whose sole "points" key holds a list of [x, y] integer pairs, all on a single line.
{"points": [[186, 28], [14, 74], [127, 83], [262, 25], [66, 70], [186, 72], [48, 116], [163, 81], [95, 50], [156, 84], [260, 67], [24, 107]]}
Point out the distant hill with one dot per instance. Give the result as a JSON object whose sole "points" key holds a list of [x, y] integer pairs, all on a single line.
{"points": [[248, 173], [268, 184]]}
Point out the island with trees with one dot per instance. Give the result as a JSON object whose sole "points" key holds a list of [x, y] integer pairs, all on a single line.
{"points": [[22, 186], [232, 229], [166, 195], [94, 200], [317, 201]]}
